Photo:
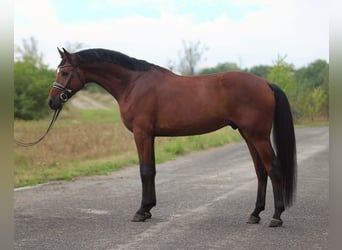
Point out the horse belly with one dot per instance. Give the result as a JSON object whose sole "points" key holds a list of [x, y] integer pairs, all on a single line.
{"points": [[190, 120]]}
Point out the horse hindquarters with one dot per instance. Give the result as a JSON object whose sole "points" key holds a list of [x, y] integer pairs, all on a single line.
{"points": [[280, 167]]}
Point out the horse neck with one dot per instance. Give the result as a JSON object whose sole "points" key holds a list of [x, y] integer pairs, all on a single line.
{"points": [[113, 78]]}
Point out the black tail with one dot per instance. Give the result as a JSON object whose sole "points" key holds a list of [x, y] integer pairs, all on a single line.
{"points": [[285, 143]]}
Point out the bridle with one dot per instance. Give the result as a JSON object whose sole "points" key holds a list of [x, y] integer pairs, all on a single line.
{"points": [[64, 96]]}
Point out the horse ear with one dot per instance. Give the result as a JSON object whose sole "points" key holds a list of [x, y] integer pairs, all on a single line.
{"points": [[67, 55], [65, 51], [60, 53]]}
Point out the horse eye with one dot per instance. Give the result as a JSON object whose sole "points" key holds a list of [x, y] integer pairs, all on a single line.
{"points": [[65, 74]]}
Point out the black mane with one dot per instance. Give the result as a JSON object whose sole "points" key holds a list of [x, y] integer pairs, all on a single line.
{"points": [[110, 56]]}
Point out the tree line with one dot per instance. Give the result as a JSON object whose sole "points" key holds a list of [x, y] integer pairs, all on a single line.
{"points": [[307, 87]]}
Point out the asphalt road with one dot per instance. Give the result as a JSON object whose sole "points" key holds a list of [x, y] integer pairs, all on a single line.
{"points": [[203, 202]]}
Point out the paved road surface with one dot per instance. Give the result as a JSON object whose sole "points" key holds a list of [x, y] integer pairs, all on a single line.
{"points": [[204, 200]]}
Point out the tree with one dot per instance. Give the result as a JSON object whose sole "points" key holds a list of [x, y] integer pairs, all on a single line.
{"points": [[316, 74], [260, 70], [282, 74], [190, 56], [306, 88], [319, 97], [221, 67], [31, 86], [312, 102], [315, 79], [32, 80], [29, 53]]}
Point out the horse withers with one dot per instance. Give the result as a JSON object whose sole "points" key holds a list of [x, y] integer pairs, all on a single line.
{"points": [[155, 102]]}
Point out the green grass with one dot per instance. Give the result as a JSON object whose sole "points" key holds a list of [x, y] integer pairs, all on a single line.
{"points": [[94, 116], [178, 146]]}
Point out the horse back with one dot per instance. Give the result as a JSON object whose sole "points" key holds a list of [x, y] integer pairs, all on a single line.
{"points": [[179, 105]]}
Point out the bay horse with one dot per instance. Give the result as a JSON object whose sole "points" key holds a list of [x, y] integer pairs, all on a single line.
{"points": [[153, 102]]}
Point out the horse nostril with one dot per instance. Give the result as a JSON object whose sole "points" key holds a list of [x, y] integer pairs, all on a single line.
{"points": [[51, 104]]}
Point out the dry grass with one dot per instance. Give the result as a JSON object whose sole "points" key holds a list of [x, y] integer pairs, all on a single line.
{"points": [[77, 142], [72, 150], [88, 142], [66, 147]]}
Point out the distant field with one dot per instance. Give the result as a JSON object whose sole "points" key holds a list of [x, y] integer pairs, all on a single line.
{"points": [[87, 141]]}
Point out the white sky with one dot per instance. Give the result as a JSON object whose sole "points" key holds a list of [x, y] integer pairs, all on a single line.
{"points": [[246, 32]]}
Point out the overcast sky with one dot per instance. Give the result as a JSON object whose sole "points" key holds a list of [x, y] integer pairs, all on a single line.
{"points": [[246, 32]]}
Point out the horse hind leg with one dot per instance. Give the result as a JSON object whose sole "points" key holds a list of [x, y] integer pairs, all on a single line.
{"points": [[254, 218], [279, 207], [269, 161], [261, 173]]}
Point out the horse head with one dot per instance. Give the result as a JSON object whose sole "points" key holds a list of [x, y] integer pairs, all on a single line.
{"points": [[68, 80]]}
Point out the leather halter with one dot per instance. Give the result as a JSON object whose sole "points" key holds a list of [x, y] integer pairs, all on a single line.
{"points": [[66, 90]]}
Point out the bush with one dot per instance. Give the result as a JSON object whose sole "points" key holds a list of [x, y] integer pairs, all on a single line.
{"points": [[32, 86]]}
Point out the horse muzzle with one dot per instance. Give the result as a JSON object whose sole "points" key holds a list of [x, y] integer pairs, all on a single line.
{"points": [[57, 102]]}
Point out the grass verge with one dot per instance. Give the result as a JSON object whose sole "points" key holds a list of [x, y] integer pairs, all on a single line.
{"points": [[92, 142]]}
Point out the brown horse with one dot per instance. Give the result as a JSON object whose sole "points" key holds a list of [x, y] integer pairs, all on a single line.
{"points": [[154, 102]]}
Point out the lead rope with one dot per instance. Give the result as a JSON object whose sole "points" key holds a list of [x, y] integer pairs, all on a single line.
{"points": [[28, 144]]}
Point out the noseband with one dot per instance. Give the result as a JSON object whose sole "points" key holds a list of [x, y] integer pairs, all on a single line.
{"points": [[66, 90]]}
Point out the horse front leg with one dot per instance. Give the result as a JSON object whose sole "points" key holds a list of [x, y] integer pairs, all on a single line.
{"points": [[145, 147]]}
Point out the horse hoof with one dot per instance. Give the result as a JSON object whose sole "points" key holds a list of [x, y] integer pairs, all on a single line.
{"points": [[148, 215], [253, 219], [141, 217], [276, 223]]}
